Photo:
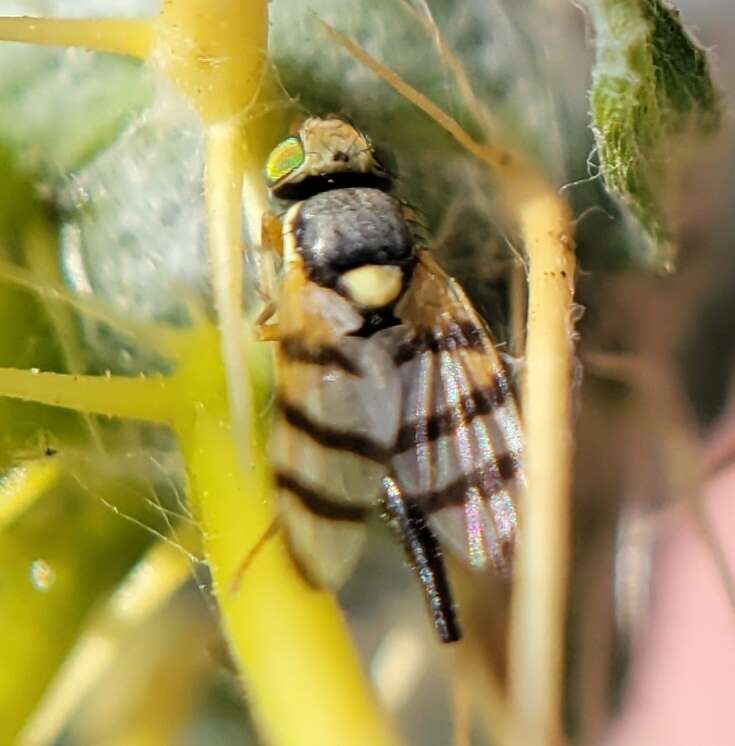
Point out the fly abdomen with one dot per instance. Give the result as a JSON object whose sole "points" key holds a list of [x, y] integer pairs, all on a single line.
{"points": [[336, 416]]}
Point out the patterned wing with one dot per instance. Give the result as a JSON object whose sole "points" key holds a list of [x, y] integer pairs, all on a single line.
{"points": [[337, 408], [458, 452]]}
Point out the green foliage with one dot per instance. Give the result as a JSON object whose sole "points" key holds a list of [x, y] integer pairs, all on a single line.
{"points": [[59, 110], [651, 84], [57, 506]]}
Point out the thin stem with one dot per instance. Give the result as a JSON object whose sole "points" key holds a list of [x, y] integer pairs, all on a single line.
{"points": [[139, 398], [517, 282], [492, 156], [538, 611], [162, 339], [456, 68], [40, 254], [222, 190], [127, 36]]}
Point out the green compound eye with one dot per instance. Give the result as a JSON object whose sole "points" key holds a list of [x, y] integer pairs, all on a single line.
{"points": [[285, 158]]}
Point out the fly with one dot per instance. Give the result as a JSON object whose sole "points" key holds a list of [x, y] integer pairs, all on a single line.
{"points": [[390, 394]]}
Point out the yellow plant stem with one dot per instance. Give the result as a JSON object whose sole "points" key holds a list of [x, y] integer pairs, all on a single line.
{"points": [[539, 597], [215, 54], [131, 37], [139, 398], [222, 190], [538, 611]]}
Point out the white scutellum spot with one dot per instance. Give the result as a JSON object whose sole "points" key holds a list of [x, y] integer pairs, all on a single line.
{"points": [[373, 285]]}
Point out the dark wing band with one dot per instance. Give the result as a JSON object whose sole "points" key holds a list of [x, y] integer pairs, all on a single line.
{"points": [[458, 453]]}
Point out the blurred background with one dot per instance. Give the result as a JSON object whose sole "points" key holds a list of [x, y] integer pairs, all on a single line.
{"points": [[102, 592]]}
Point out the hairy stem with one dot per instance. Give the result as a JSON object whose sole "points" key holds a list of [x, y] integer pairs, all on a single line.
{"points": [[130, 37], [139, 398], [222, 190], [538, 611]]}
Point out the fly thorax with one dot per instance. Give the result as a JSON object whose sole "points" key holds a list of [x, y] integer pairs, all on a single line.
{"points": [[355, 241]]}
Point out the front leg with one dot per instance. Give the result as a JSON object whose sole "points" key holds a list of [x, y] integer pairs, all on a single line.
{"points": [[271, 243], [267, 332], [271, 238]]}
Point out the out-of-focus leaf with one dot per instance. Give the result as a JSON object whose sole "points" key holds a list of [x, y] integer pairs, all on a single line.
{"points": [[27, 338], [59, 107], [651, 83], [56, 561]]}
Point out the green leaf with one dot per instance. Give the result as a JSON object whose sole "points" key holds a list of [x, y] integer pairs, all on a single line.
{"points": [[59, 108], [651, 83]]}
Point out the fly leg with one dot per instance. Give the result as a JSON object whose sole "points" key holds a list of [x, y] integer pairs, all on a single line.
{"points": [[424, 555], [271, 244], [270, 233], [267, 332], [271, 530], [269, 254]]}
